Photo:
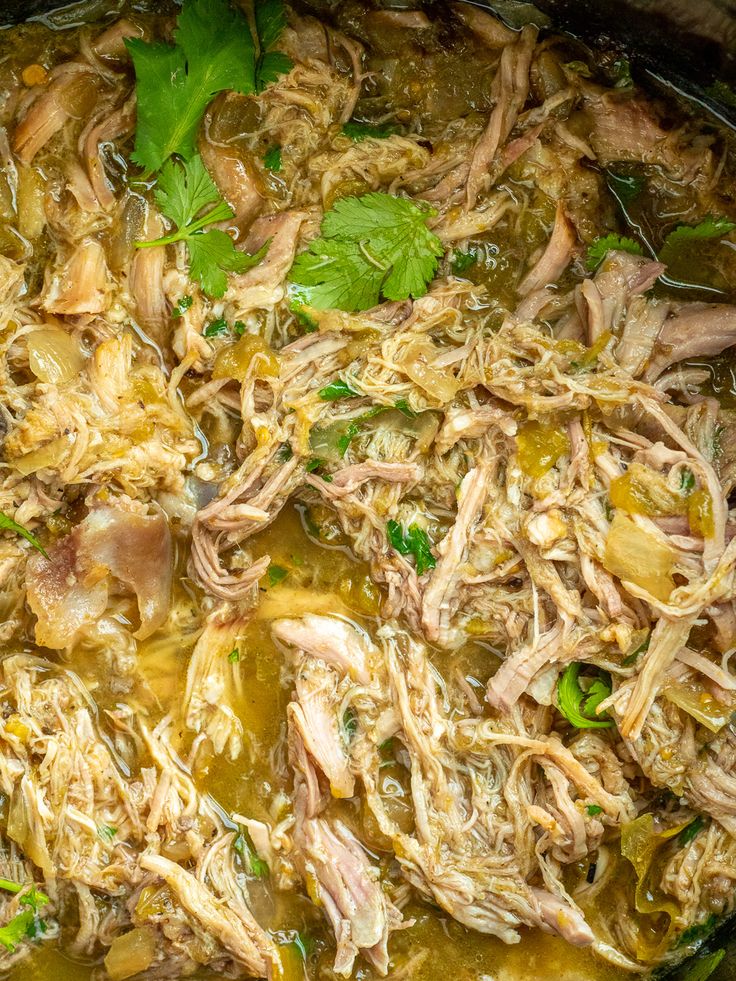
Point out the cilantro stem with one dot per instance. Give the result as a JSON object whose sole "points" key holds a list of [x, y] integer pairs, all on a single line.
{"points": [[220, 212]]}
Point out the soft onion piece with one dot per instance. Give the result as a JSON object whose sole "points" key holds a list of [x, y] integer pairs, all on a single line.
{"points": [[416, 363], [635, 556], [234, 361], [700, 704], [53, 355], [46, 457], [130, 953], [639, 844]]}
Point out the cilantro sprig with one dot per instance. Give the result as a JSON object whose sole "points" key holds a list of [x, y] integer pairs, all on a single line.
{"points": [[683, 235], [412, 541], [214, 51], [244, 846], [187, 195], [371, 247]]}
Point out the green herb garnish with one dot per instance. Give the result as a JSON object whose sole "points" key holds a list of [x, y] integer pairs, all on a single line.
{"points": [[216, 328], [372, 247], [405, 409], [709, 227], [272, 159], [276, 574], [414, 541], [106, 832], [579, 706], [366, 131], [25, 925], [593, 809], [10, 525], [270, 17], [626, 187], [694, 828], [183, 192], [462, 261], [244, 846], [599, 249], [337, 389], [234, 656], [184, 304]]}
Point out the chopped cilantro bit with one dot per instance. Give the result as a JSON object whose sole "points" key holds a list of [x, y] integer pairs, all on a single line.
{"points": [[599, 249], [244, 846], [11, 886], [272, 159], [414, 541], [347, 437], [107, 832], [214, 52], [462, 261], [314, 464], [366, 131], [183, 191], [709, 227], [622, 73], [218, 326], [234, 656], [372, 247], [405, 409], [579, 706], [691, 831], [687, 480], [276, 574], [306, 320], [184, 304], [349, 724], [698, 931], [10, 525], [285, 453], [626, 187], [238, 328], [593, 809], [25, 925], [338, 389]]}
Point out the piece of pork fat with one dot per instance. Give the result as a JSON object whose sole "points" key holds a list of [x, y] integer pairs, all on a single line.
{"points": [[509, 91], [70, 588], [555, 258], [213, 681], [336, 642], [238, 933], [694, 330], [564, 919], [441, 600]]}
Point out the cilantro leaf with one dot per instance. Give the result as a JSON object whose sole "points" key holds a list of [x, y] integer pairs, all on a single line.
{"points": [[405, 409], [272, 159], [214, 52], [365, 131], [234, 656], [709, 227], [215, 328], [599, 249], [337, 389], [270, 17], [182, 191], [574, 703], [212, 254], [593, 809], [10, 525], [690, 831], [414, 541], [372, 246], [698, 931]]}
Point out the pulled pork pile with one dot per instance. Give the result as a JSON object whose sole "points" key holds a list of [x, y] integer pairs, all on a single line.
{"points": [[523, 470]]}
